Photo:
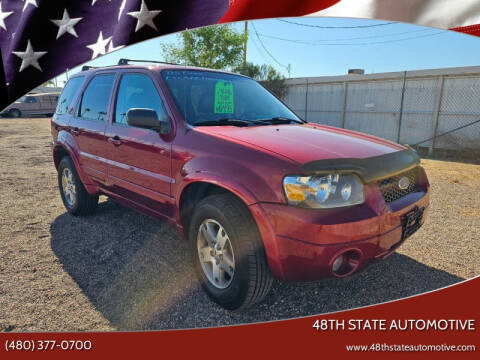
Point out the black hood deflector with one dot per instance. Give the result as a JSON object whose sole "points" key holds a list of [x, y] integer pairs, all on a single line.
{"points": [[369, 169]]}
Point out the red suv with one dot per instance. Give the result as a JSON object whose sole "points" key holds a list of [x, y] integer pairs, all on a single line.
{"points": [[257, 192]]}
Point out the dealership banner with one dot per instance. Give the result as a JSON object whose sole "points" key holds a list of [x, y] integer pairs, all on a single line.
{"points": [[442, 324]]}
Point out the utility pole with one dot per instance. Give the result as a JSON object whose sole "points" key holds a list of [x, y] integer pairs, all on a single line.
{"points": [[400, 115], [186, 49], [245, 39]]}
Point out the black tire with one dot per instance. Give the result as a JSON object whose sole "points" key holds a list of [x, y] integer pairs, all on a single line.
{"points": [[251, 280], [15, 113], [84, 203]]}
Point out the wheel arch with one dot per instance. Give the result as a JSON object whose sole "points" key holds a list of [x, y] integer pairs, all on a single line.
{"points": [[60, 150], [15, 109], [195, 191]]}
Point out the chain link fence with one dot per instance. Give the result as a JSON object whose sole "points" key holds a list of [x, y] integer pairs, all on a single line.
{"points": [[405, 107]]}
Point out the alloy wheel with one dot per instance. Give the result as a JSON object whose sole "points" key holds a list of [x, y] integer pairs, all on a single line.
{"points": [[215, 253], [68, 186]]}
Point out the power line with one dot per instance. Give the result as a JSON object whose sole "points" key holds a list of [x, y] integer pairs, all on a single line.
{"points": [[268, 60], [337, 27], [364, 43], [260, 51], [264, 48], [345, 39]]}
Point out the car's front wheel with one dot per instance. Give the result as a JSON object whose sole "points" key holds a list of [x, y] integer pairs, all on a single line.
{"points": [[228, 252], [76, 199]]}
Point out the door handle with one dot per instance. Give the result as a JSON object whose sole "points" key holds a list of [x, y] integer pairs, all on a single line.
{"points": [[75, 132], [115, 141]]}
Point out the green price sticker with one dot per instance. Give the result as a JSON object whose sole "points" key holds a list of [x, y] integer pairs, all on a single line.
{"points": [[223, 97]]}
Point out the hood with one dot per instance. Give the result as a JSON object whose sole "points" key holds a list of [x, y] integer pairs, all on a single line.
{"points": [[308, 142]]}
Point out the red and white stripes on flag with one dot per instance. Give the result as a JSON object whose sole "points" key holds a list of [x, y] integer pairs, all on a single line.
{"points": [[459, 15]]}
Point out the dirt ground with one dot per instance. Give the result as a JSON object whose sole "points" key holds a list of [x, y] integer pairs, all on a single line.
{"points": [[122, 270]]}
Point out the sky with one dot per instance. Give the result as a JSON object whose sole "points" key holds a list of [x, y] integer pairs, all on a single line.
{"points": [[331, 46]]}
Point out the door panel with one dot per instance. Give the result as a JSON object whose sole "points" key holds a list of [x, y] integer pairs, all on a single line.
{"points": [[140, 161], [31, 105], [91, 142], [44, 103], [88, 126], [140, 166]]}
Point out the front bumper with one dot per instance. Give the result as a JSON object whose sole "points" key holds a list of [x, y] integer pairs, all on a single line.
{"points": [[301, 244]]}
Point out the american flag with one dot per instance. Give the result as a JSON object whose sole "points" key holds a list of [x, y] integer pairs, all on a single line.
{"points": [[459, 15], [40, 39]]}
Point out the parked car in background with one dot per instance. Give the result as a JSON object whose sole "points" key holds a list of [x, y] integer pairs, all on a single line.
{"points": [[256, 191], [33, 105]]}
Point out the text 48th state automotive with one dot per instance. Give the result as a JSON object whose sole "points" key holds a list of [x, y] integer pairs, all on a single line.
{"points": [[394, 324]]}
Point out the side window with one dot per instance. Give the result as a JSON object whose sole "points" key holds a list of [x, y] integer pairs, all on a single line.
{"points": [[94, 103], [68, 93], [137, 91], [30, 100]]}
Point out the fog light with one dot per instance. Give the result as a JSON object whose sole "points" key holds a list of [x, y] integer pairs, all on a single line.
{"points": [[346, 263], [337, 263]]}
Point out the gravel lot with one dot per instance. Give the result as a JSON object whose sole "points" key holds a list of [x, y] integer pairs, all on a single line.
{"points": [[119, 269]]}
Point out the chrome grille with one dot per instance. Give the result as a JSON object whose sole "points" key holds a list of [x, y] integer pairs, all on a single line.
{"points": [[391, 190]]}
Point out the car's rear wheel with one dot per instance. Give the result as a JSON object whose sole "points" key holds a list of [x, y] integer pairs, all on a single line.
{"points": [[75, 198], [15, 113], [228, 252]]}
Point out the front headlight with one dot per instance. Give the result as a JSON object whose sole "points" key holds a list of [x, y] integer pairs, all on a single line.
{"points": [[324, 191]]}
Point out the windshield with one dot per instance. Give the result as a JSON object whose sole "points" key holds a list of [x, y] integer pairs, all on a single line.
{"points": [[206, 96]]}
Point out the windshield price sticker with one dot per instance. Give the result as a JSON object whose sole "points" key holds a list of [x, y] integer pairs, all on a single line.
{"points": [[223, 97]]}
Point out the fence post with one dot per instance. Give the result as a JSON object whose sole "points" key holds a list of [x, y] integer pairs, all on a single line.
{"points": [[400, 117], [344, 110], [306, 101], [436, 114]]}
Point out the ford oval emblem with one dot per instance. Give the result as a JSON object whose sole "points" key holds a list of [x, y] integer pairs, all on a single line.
{"points": [[403, 183]]}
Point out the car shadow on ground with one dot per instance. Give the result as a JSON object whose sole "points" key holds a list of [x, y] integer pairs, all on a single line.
{"points": [[137, 272]]}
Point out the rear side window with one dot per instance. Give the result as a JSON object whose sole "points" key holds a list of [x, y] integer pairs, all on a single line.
{"points": [[94, 103], [68, 94], [30, 100], [137, 91]]}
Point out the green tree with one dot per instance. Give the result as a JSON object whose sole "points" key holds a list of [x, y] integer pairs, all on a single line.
{"points": [[49, 83], [215, 47], [267, 75]]}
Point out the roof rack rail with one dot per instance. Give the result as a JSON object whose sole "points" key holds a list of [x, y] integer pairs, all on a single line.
{"points": [[88, 67], [126, 61]]}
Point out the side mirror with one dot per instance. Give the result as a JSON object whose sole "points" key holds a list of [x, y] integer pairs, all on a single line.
{"points": [[148, 119]]}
